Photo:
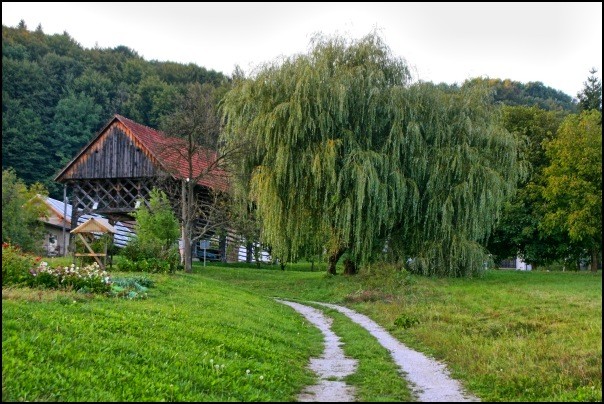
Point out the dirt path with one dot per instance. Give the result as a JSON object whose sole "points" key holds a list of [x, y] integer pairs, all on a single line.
{"points": [[333, 364], [428, 379]]}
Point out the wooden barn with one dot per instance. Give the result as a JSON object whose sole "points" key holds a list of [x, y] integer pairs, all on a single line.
{"points": [[124, 162]]}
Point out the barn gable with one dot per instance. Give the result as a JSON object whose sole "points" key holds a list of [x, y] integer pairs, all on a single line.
{"points": [[115, 153]]}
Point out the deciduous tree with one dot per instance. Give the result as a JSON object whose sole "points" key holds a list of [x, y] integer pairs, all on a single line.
{"points": [[517, 233], [21, 212], [157, 222], [573, 188], [194, 128]]}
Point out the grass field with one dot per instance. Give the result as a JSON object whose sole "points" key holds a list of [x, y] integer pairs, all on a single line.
{"points": [[509, 336]]}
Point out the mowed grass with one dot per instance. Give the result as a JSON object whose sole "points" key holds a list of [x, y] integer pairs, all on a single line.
{"points": [[508, 336], [193, 339]]}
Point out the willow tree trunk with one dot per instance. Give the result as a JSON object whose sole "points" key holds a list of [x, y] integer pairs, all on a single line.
{"points": [[350, 267], [333, 260]]}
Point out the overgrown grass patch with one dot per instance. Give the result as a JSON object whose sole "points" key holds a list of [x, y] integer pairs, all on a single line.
{"points": [[193, 339], [510, 336]]}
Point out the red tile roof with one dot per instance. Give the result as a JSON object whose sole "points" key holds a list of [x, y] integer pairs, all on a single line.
{"points": [[171, 154]]}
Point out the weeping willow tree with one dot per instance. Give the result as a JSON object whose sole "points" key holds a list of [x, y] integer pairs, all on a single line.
{"points": [[346, 156]]}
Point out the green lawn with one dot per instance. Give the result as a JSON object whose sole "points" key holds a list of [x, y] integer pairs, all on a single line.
{"points": [[509, 336], [193, 339]]}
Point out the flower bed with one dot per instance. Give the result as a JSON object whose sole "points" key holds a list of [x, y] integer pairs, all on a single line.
{"points": [[90, 278]]}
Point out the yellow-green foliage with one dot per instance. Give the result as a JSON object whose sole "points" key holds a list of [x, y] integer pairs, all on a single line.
{"points": [[574, 179], [22, 208], [16, 265]]}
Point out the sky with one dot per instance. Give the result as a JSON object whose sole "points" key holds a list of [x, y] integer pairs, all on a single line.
{"points": [[554, 43]]}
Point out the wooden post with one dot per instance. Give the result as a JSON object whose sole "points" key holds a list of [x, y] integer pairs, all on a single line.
{"points": [[64, 220]]}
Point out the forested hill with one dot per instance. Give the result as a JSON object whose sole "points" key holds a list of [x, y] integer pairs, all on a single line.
{"points": [[56, 95], [531, 94]]}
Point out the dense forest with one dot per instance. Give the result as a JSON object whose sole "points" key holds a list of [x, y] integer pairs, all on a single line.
{"points": [[56, 95]]}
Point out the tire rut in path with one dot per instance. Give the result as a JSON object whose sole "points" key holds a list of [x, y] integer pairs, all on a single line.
{"points": [[332, 364]]}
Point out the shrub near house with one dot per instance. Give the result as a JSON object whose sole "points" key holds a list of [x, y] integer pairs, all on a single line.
{"points": [[16, 265], [21, 269]]}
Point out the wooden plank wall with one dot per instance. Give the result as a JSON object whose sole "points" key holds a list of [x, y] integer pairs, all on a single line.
{"points": [[113, 155]]}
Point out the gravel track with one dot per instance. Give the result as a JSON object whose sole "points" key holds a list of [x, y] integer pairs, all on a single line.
{"points": [[428, 378]]}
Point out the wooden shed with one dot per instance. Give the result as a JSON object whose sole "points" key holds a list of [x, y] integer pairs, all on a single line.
{"points": [[86, 232]]}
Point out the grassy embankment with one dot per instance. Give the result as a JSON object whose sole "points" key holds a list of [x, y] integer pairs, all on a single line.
{"points": [[192, 339]]}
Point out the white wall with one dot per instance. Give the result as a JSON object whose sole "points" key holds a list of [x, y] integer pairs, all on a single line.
{"points": [[522, 266]]}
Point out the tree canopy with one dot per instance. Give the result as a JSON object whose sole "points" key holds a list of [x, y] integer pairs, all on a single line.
{"points": [[517, 232], [531, 94], [590, 97], [196, 125], [347, 155]]}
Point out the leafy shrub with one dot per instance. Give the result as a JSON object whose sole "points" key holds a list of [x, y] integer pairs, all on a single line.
{"points": [[16, 265], [90, 278], [22, 207], [149, 265], [127, 265], [149, 257], [405, 321], [131, 288], [154, 248], [137, 250]]}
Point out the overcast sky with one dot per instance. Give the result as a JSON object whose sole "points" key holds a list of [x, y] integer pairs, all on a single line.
{"points": [[555, 43]]}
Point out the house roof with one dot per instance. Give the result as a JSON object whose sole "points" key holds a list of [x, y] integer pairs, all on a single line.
{"points": [[57, 216], [169, 153], [95, 225]]}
